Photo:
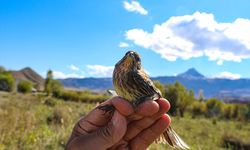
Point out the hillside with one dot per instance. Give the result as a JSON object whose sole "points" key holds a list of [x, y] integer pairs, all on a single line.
{"points": [[212, 87], [30, 75]]}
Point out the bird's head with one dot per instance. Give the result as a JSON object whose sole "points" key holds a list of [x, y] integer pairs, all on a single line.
{"points": [[131, 60]]}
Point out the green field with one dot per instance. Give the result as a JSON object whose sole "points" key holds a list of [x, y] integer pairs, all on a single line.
{"points": [[40, 122]]}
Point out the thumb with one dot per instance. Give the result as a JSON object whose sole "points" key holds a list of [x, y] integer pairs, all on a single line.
{"points": [[113, 131]]}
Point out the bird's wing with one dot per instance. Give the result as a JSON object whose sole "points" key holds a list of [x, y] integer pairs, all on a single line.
{"points": [[145, 86]]}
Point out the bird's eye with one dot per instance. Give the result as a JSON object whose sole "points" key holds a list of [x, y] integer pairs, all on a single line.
{"points": [[137, 58]]}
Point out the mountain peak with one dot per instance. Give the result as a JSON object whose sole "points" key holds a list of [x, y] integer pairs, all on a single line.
{"points": [[191, 73], [27, 69]]}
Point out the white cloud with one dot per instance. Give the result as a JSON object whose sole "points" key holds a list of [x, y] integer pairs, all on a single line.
{"points": [[123, 44], [61, 75], [228, 75], [135, 6], [196, 35], [73, 67], [100, 71]]}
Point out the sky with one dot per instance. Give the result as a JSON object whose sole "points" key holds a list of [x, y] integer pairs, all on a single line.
{"points": [[77, 38]]}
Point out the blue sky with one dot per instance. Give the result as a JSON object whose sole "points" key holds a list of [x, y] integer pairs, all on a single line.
{"points": [[78, 38]]}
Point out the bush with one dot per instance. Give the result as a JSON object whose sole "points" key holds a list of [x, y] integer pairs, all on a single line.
{"points": [[179, 97], [228, 111], [214, 107], [6, 81], [235, 143], [24, 86], [198, 108], [81, 96]]}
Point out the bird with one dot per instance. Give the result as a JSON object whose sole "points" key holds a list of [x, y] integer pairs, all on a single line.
{"points": [[132, 83]]}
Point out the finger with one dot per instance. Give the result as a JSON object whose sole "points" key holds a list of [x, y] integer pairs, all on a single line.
{"points": [[104, 137], [164, 107], [121, 105], [97, 118], [149, 135], [148, 108], [136, 127]]}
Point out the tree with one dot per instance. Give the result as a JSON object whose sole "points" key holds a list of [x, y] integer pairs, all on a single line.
{"points": [[52, 86], [201, 95], [159, 86], [24, 86], [171, 95], [179, 97], [2, 69], [48, 82], [6, 81]]}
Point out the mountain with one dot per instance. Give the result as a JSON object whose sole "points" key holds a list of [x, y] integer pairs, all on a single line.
{"points": [[220, 88], [191, 73], [224, 89], [30, 75]]}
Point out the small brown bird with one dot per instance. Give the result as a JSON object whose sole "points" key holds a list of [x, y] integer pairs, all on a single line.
{"points": [[133, 84]]}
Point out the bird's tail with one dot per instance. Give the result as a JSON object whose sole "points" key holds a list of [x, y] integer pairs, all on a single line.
{"points": [[170, 137]]}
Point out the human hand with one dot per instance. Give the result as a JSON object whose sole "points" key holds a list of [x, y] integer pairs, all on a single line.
{"points": [[125, 129]]}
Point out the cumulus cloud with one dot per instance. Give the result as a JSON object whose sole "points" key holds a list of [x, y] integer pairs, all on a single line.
{"points": [[73, 67], [61, 75], [100, 70], [123, 44], [196, 35], [135, 6], [228, 75]]}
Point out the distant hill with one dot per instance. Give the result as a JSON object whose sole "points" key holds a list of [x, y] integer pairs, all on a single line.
{"points": [[30, 75], [225, 89]]}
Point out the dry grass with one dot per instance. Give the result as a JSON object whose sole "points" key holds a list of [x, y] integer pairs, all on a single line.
{"points": [[37, 122]]}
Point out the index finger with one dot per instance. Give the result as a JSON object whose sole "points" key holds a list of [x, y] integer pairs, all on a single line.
{"points": [[98, 118]]}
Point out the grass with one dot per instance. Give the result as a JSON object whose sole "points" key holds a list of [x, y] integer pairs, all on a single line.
{"points": [[38, 122]]}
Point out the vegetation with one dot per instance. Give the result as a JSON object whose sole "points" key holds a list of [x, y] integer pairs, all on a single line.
{"points": [[45, 120], [6, 80], [179, 97], [183, 101], [39, 122], [52, 86], [24, 86], [49, 83], [82, 96]]}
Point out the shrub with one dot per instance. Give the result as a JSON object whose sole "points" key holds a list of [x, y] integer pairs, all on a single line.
{"points": [[24, 86]]}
